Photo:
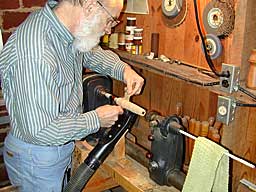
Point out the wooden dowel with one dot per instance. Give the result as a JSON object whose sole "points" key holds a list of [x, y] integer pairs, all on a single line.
{"points": [[130, 106]]}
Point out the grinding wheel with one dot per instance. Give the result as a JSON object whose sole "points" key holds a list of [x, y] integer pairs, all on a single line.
{"points": [[213, 46], [177, 20], [219, 18]]}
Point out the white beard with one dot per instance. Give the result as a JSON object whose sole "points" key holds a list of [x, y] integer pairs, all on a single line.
{"points": [[88, 33]]}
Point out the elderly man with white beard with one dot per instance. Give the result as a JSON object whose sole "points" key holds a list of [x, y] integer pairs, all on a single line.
{"points": [[41, 68]]}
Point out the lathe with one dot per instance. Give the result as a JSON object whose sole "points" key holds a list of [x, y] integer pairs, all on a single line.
{"points": [[97, 92]]}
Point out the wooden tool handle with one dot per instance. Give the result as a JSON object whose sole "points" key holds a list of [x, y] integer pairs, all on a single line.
{"points": [[130, 106], [204, 129], [191, 129], [179, 109], [211, 121], [197, 129]]}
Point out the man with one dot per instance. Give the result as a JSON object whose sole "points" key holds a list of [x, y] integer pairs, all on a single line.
{"points": [[41, 70]]}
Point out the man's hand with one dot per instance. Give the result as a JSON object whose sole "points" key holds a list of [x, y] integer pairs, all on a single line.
{"points": [[133, 81], [108, 114]]}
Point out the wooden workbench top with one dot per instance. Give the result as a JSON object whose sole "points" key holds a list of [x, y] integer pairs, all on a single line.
{"points": [[133, 177], [124, 171]]}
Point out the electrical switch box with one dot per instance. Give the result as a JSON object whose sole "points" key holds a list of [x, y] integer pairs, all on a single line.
{"points": [[226, 109], [231, 83]]}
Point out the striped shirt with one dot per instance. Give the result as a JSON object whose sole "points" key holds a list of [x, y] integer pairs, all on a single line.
{"points": [[42, 80]]}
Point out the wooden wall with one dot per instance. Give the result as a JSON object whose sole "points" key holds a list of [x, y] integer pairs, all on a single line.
{"points": [[161, 92], [182, 42]]}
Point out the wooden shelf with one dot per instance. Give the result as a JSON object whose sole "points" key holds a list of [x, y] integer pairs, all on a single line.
{"points": [[186, 73], [181, 71]]}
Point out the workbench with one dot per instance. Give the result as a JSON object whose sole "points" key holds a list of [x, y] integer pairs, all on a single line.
{"points": [[118, 170]]}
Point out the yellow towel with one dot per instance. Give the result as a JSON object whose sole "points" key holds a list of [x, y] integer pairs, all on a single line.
{"points": [[209, 168]]}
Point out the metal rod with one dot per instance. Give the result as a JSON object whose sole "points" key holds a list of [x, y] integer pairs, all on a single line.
{"points": [[247, 183], [228, 154]]}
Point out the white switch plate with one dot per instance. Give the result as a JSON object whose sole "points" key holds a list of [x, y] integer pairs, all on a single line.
{"points": [[226, 109]]}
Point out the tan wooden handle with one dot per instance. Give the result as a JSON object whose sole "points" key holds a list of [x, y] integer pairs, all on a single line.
{"points": [[130, 106]]}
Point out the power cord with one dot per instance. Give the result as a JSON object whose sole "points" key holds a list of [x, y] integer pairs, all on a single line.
{"points": [[245, 105], [207, 57], [238, 104], [247, 92]]}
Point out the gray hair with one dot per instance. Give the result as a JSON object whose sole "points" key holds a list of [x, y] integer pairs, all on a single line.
{"points": [[78, 2]]}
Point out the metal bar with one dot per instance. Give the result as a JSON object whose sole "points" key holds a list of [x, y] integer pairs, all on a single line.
{"points": [[228, 154]]}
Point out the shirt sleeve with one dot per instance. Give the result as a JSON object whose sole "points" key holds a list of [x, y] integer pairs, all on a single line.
{"points": [[105, 62], [36, 107]]}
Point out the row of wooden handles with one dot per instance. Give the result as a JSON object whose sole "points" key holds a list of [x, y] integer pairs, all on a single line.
{"points": [[210, 129]]}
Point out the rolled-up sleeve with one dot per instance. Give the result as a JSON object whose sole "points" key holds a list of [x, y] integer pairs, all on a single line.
{"points": [[105, 62]]}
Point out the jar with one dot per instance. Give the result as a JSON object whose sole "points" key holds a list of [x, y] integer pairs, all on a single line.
{"points": [[130, 30], [136, 48], [128, 38], [128, 42], [113, 41], [128, 47], [121, 46], [137, 40], [131, 21], [105, 40], [121, 37], [138, 32]]}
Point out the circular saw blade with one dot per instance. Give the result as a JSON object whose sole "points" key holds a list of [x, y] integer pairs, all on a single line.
{"points": [[179, 19], [219, 18]]}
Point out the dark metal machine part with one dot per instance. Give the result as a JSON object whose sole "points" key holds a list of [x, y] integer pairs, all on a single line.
{"points": [[167, 150], [92, 84]]}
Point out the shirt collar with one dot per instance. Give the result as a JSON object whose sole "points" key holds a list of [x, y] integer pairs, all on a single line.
{"points": [[55, 22]]}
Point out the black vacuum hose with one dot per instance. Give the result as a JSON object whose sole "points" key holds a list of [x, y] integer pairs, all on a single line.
{"points": [[82, 176], [100, 152]]}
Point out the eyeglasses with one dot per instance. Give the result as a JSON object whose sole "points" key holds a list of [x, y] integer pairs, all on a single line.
{"points": [[114, 21]]}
